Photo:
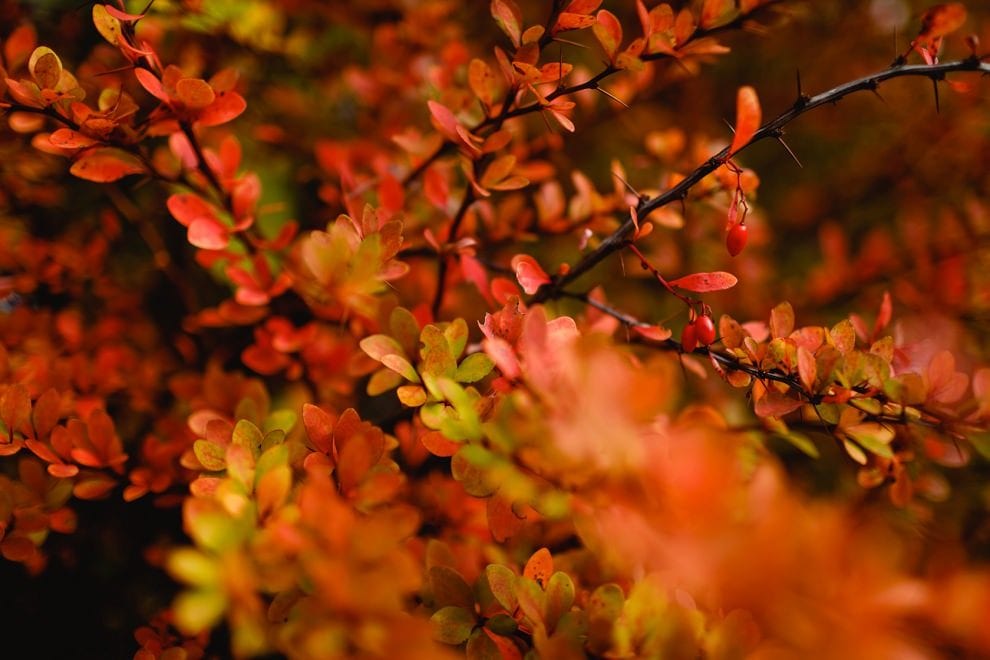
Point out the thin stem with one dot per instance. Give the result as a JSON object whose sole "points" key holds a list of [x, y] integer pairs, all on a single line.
{"points": [[444, 257], [592, 83], [771, 129]]}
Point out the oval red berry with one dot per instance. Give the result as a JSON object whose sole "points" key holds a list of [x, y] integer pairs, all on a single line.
{"points": [[689, 340], [704, 330], [736, 240]]}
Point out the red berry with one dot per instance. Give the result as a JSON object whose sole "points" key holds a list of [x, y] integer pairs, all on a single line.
{"points": [[736, 240], [704, 330], [689, 340]]}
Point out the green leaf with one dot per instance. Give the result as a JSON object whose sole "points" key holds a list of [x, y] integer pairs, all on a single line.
{"points": [[560, 597], [502, 624], [193, 567], [437, 356], [401, 366], [247, 435], [210, 526], [382, 381], [210, 455], [457, 336], [473, 368], [196, 611], [873, 437], [272, 439], [473, 478], [502, 582], [452, 625], [801, 442], [532, 600], [450, 588], [272, 457], [606, 602], [283, 420], [981, 443], [481, 647]]}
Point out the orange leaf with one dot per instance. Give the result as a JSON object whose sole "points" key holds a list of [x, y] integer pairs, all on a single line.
{"points": [[104, 164], [194, 93], [943, 19], [438, 445], [608, 31], [748, 118], [539, 567], [653, 332], [807, 367], [226, 107], [70, 139], [781, 320], [482, 81], [570, 21], [703, 282], [508, 16]]}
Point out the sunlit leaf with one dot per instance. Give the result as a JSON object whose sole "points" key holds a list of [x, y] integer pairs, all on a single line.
{"points": [[105, 164], [704, 282], [748, 118]]}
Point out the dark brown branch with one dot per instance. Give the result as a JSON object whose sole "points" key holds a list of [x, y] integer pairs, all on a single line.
{"points": [[926, 417], [773, 130], [444, 257]]}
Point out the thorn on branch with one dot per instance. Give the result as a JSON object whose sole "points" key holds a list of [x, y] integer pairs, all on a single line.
{"points": [[612, 96], [780, 139]]}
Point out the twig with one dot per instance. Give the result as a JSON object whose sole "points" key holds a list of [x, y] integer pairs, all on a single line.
{"points": [[771, 129]]}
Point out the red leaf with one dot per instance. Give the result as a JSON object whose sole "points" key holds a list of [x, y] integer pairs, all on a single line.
{"points": [[208, 234], [319, 427], [70, 139], [151, 84], [702, 282], [104, 164], [227, 106], [748, 118], [186, 207], [445, 120], [528, 273], [883, 318]]}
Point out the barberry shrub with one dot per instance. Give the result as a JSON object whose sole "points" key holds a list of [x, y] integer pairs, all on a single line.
{"points": [[510, 329]]}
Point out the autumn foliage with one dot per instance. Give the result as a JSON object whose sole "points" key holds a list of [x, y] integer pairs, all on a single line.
{"points": [[500, 330]]}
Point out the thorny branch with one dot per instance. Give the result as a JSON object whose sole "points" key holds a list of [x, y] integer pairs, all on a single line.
{"points": [[897, 413], [772, 129]]}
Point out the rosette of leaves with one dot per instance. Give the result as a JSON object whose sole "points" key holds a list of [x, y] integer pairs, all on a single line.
{"points": [[352, 262], [505, 615], [430, 370], [356, 452]]}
